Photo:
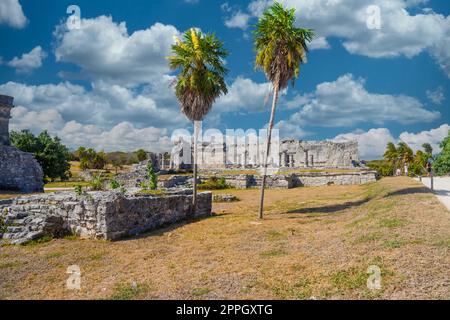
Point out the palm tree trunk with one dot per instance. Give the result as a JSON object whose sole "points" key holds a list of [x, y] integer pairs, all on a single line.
{"points": [[194, 197], [266, 156]]}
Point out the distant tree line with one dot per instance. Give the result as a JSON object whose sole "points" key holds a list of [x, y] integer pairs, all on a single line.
{"points": [[397, 157], [91, 159]]}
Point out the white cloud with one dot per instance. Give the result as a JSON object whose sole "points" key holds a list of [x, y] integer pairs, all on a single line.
{"points": [[436, 96], [29, 61], [244, 95], [104, 50], [433, 137], [290, 130], [346, 102], [401, 33], [238, 20], [123, 136], [105, 105], [319, 43], [11, 14], [372, 143]]}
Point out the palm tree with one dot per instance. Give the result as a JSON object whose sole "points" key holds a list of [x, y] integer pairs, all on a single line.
{"points": [[391, 154], [406, 155], [199, 58], [281, 47]]}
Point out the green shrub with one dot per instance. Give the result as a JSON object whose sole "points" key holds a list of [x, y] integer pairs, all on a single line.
{"points": [[114, 185], [214, 183], [384, 168], [96, 183], [152, 178], [78, 190]]}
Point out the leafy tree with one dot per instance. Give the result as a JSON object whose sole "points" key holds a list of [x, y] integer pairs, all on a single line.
{"points": [[141, 155], [51, 154], [281, 49], [441, 165], [427, 148], [90, 159], [199, 58]]}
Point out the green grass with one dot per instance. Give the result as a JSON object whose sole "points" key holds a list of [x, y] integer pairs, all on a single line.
{"points": [[10, 265], [39, 241], [301, 290], [394, 244], [274, 235], [393, 223], [350, 279], [54, 255], [66, 184], [129, 291], [200, 292], [368, 238], [152, 192], [273, 253]]}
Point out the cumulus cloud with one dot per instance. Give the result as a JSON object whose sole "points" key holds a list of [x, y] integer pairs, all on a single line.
{"points": [[433, 137], [122, 136], [104, 50], [401, 34], [104, 105], [11, 14], [346, 102], [28, 61], [372, 143], [245, 96], [238, 20], [319, 43], [436, 96]]}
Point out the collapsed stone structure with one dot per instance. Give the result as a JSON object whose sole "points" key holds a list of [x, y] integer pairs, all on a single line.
{"points": [[97, 215], [18, 170], [290, 153]]}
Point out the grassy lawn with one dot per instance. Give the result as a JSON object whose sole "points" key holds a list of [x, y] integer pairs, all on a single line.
{"points": [[314, 243], [66, 184]]}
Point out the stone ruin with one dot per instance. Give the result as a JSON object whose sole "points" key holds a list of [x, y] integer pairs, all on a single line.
{"points": [[19, 171], [96, 215], [291, 154]]}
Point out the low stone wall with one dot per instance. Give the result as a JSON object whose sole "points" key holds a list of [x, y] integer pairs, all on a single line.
{"points": [[20, 171], [312, 179], [307, 179], [98, 215]]}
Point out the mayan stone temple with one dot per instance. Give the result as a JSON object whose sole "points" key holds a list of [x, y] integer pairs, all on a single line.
{"points": [[18, 170], [291, 153]]}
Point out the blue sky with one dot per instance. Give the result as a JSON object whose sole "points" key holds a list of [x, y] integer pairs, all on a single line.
{"points": [[107, 84]]}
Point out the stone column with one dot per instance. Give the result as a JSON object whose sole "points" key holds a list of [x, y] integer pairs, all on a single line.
{"points": [[6, 104], [306, 159]]}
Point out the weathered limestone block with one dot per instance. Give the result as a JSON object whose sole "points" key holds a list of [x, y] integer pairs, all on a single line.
{"points": [[104, 215], [20, 171]]}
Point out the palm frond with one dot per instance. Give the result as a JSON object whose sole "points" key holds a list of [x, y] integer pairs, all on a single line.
{"points": [[281, 46], [199, 58]]}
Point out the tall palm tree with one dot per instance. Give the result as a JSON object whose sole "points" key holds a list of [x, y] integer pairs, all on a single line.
{"points": [[281, 48], [199, 58]]}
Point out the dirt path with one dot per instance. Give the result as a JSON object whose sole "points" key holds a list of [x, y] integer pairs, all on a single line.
{"points": [[314, 243]]}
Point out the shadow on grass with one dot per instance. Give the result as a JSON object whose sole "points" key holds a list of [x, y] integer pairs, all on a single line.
{"points": [[407, 191], [160, 231], [331, 208]]}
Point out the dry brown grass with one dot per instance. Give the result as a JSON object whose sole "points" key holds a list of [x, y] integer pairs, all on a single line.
{"points": [[314, 242]]}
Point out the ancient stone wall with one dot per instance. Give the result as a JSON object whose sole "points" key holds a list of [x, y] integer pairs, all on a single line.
{"points": [[19, 171], [99, 215]]}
